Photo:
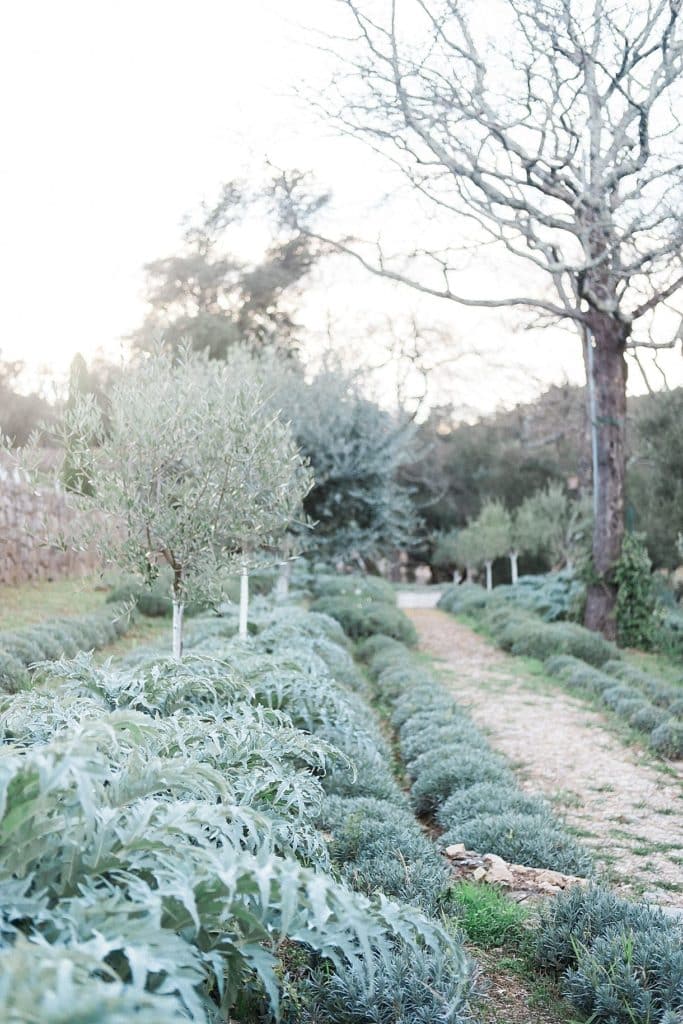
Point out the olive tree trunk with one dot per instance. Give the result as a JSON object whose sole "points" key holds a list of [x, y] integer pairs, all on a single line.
{"points": [[178, 609], [283, 578], [244, 602], [514, 566], [489, 575], [607, 381]]}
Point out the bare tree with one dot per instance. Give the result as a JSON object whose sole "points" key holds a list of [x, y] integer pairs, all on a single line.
{"points": [[551, 127]]}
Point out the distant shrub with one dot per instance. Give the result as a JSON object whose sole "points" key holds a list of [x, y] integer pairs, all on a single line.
{"points": [[421, 741], [530, 839], [369, 647], [667, 739], [553, 597], [615, 694], [465, 598], [636, 626], [436, 780], [13, 675], [537, 639], [486, 798], [373, 587], [364, 618], [676, 707], [64, 637], [647, 717]]}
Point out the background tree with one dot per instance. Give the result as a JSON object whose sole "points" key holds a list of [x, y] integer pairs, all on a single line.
{"points": [[188, 469], [470, 551], [446, 552], [210, 296], [493, 531], [655, 474], [360, 509], [552, 524], [20, 414], [554, 137]]}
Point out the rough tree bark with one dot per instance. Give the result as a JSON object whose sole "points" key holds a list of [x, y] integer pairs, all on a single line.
{"points": [[609, 388]]}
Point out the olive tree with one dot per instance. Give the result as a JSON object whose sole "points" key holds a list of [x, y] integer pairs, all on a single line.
{"points": [[548, 130], [493, 531], [187, 467], [554, 525], [447, 552]]}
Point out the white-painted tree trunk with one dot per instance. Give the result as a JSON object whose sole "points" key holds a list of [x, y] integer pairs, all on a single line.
{"points": [[457, 577], [514, 572], [178, 609], [489, 575], [284, 576], [244, 602]]}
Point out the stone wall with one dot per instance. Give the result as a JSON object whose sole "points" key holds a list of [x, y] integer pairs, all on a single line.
{"points": [[27, 517]]}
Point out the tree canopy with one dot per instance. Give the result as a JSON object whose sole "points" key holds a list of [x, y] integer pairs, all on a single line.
{"points": [[211, 296]]}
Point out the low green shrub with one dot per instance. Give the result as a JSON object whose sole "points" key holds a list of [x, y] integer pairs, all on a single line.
{"points": [[435, 780], [407, 987], [381, 848], [373, 588], [486, 798], [537, 639], [647, 703], [621, 962], [426, 706], [667, 739], [418, 742], [647, 717], [13, 675], [635, 607], [371, 646], [59, 638], [362, 618], [676, 707], [489, 918], [530, 839], [553, 597], [613, 696]]}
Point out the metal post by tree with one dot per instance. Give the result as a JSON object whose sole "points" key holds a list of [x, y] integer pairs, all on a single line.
{"points": [[553, 137]]}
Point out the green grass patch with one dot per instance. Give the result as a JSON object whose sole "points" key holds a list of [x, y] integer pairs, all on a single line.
{"points": [[489, 918], [25, 604]]}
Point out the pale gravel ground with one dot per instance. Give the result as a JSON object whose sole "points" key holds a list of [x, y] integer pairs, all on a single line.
{"points": [[631, 811]]}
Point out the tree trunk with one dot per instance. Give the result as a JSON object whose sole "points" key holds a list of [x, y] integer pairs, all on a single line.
{"points": [[514, 571], [489, 575], [608, 367], [244, 602], [178, 609], [282, 586]]}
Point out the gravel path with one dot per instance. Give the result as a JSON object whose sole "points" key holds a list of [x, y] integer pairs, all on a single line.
{"points": [[620, 802]]}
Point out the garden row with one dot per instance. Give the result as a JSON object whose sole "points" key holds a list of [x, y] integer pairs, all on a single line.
{"points": [[582, 661], [161, 852], [618, 962], [56, 638]]}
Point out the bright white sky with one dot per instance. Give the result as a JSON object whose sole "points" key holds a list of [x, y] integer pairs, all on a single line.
{"points": [[120, 116]]}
